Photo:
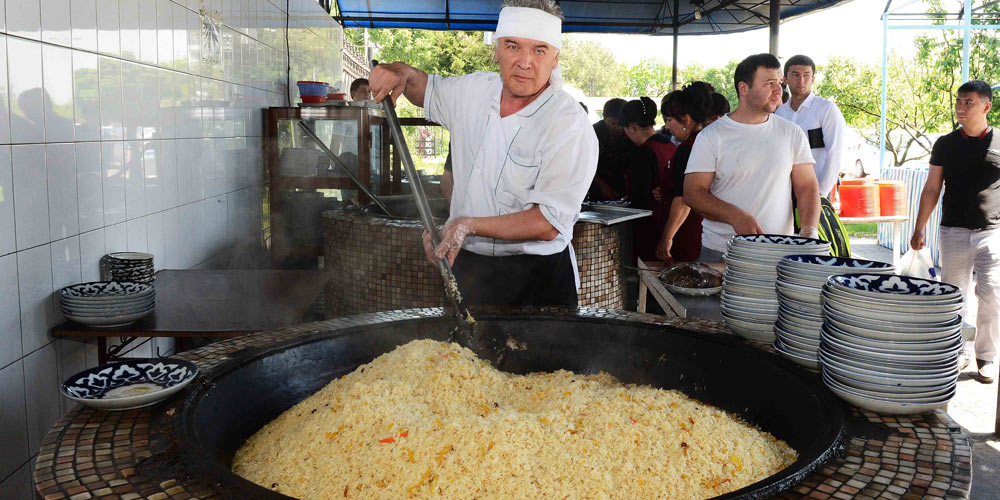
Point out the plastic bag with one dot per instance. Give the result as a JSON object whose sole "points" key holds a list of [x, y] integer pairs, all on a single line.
{"points": [[691, 275], [919, 264]]}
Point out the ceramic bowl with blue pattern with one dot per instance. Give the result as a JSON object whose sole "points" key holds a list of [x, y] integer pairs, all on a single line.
{"points": [[906, 288], [827, 261], [128, 384]]}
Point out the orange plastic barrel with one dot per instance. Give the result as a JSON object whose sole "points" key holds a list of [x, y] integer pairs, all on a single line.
{"points": [[891, 197], [859, 200]]}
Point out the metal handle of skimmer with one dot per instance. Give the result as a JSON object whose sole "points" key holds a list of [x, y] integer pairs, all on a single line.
{"points": [[417, 188]]}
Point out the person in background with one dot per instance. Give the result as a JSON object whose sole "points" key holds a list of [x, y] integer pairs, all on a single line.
{"points": [[609, 183], [360, 90], [647, 165], [820, 118], [523, 156], [720, 108], [744, 167], [966, 163], [684, 112]]}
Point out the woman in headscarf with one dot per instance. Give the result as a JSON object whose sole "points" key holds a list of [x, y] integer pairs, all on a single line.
{"points": [[685, 113], [648, 165]]}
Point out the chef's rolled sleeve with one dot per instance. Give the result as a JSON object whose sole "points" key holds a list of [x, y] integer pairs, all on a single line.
{"points": [[567, 170]]}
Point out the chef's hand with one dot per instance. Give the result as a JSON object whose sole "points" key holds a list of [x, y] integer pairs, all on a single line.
{"points": [[745, 223], [657, 194], [386, 78], [663, 250], [453, 234], [917, 240]]}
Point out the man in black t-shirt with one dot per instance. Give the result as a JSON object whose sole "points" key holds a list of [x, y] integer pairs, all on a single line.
{"points": [[967, 163]]}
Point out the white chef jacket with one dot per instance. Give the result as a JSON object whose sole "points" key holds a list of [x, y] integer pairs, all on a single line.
{"points": [[545, 155], [818, 113]]}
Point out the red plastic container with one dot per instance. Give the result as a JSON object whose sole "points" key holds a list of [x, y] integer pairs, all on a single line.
{"points": [[891, 197], [314, 99], [336, 97], [859, 200]]}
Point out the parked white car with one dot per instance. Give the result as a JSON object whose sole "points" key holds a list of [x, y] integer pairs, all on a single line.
{"points": [[861, 159]]}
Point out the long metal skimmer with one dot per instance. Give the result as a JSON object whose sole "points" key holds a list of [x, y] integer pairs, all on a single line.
{"points": [[466, 322]]}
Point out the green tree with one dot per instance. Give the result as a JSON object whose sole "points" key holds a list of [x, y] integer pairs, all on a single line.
{"points": [[590, 67], [921, 92], [720, 78], [649, 77]]}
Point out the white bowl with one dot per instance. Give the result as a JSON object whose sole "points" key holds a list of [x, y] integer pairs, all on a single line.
{"points": [[910, 346], [810, 362], [108, 321], [881, 376], [801, 293], [910, 318], [811, 346], [889, 407], [886, 326], [892, 393], [927, 387], [892, 369], [875, 356]]}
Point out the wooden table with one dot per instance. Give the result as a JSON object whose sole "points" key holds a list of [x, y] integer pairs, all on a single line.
{"points": [[680, 306], [897, 230], [208, 303]]}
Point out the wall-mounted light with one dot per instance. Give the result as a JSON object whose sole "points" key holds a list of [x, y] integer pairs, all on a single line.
{"points": [[698, 12]]}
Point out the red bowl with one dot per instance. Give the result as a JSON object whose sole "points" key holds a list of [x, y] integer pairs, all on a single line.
{"points": [[336, 97], [314, 99]]}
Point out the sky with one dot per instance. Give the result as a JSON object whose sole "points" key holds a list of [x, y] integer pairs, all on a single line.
{"points": [[853, 29]]}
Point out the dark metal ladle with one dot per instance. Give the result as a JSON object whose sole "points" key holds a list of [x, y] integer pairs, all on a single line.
{"points": [[487, 345]]}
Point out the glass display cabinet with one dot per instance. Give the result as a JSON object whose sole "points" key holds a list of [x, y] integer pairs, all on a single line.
{"points": [[303, 181]]}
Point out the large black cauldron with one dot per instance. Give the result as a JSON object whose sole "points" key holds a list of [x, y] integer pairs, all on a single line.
{"points": [[240, 396]]}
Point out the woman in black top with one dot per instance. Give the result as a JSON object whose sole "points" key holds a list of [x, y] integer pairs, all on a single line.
{"points": [[685, 113]]}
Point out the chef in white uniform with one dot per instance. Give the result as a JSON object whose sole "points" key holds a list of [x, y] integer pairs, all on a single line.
{"points": [[523, 158]]}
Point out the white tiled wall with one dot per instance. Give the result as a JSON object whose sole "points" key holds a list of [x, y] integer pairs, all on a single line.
{"points": [[120, 131]]}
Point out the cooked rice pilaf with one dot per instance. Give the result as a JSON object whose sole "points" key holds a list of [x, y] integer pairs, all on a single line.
{"points": [[431, 420]]}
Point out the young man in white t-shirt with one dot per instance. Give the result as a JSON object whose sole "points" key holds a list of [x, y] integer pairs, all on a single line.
{"points": [[745, 166]]}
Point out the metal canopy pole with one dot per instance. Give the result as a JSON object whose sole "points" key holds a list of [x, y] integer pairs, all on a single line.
{"points": [[885, 89], [967, 29], [774, 20], [673, 71]]}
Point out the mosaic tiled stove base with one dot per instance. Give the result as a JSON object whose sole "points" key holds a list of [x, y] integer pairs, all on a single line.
{"points": [[95, 454], [378, 264]]}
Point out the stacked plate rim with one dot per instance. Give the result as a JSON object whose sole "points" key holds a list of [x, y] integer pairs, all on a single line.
{"points": [[107, 304], [749, 299], [800, 312], [891, 344], [134, 267]]}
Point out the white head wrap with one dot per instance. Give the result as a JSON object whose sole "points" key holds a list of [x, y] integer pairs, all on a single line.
{"points": [[533, 24]]}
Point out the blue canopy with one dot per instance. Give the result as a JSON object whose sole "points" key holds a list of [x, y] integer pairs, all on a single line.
{"points": [[651, 17]]}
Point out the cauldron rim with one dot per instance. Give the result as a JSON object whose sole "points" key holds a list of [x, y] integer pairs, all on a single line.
{"points": [[835, 432]]}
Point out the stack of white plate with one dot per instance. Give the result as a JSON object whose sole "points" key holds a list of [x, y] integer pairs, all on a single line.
{"points": [[800, 312], [891, 344], [134, 267], [749, 301], [107, 304]]}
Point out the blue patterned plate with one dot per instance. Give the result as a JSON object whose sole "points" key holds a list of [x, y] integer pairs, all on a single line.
{"points": [[128, 384], [778, 239], [886, 285], [813, 261]]}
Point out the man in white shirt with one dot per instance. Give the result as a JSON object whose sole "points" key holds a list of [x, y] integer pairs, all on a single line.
{"points": [[820, 118], [523, 157], [744, 167]]}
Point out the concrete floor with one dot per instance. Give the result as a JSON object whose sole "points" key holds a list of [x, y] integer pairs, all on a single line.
{"points": [[974, 406]]}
